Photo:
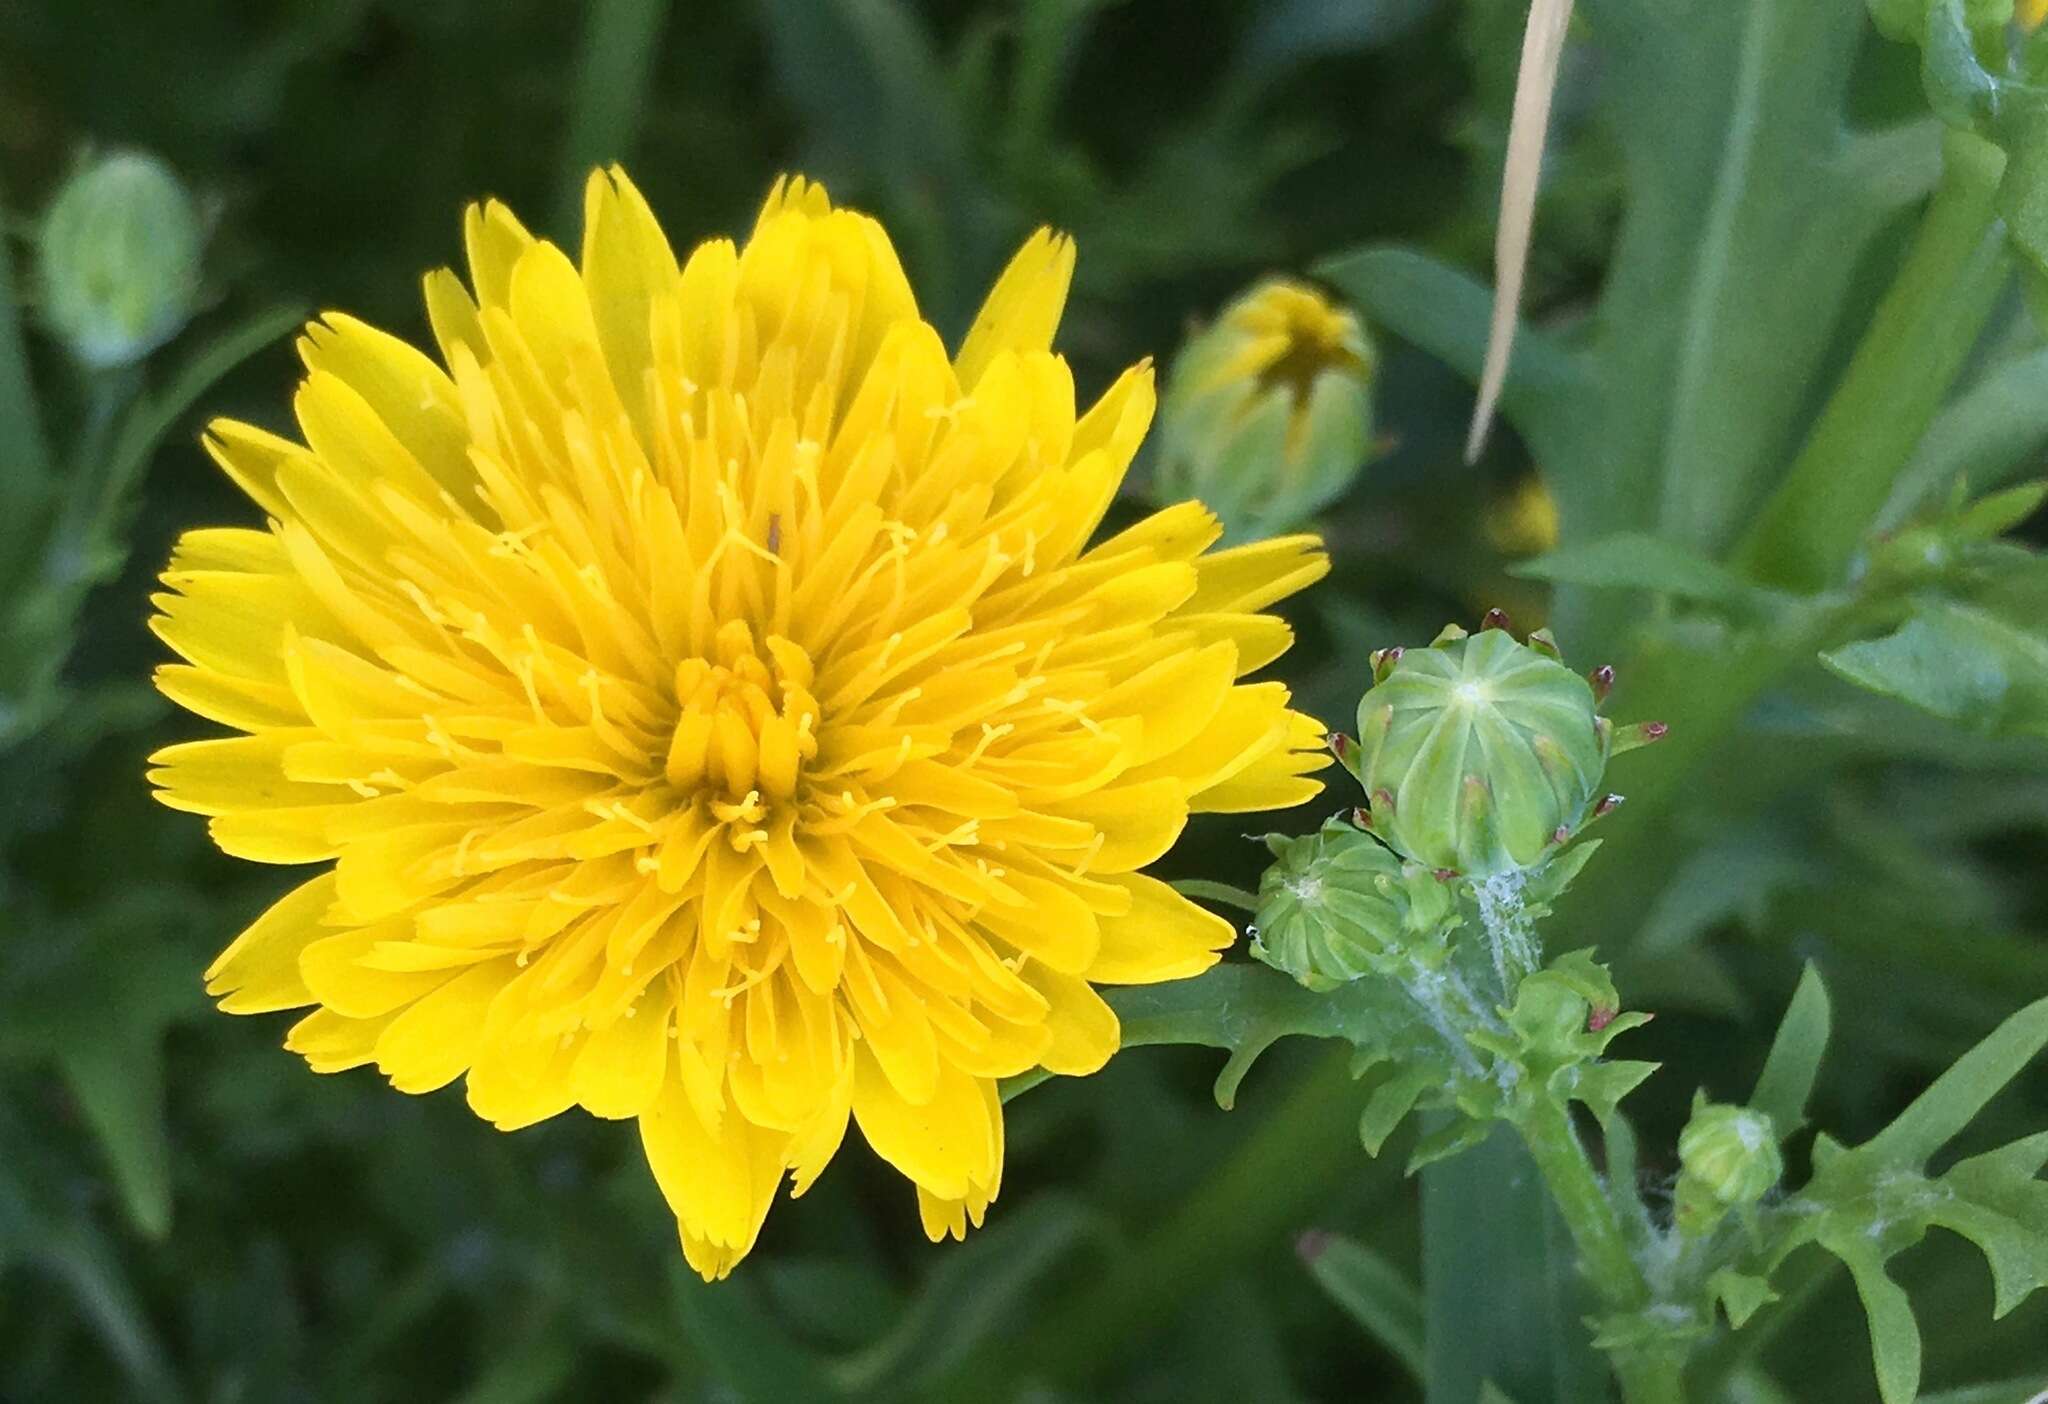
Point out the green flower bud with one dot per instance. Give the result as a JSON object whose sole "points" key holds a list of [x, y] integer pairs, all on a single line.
{"points": [[1728, 1158], [1336, 905], [119, 259], [1268, 413], [1480, 754]]}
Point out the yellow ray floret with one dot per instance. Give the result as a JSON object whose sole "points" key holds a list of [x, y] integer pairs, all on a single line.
{"points": [[709, 704]]}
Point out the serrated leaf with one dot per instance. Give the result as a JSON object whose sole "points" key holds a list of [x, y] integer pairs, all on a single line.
{"points": [[1786, 1083], [1894, 1335], [1740, 1294], [1996, 1201], [1460, 1134], [1246, 1009], [1634, 560], [1391, 1101], [1603, 1085], [1372, 1292]]}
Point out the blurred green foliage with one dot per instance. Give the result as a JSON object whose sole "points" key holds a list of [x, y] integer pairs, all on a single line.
{"points": [[186, 1213]]}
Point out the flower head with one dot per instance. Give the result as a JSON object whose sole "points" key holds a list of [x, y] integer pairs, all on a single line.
{"points": [[1268, 413], [709, 704]]}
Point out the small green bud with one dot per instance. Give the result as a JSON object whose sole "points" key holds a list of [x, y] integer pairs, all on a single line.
{"points": [[1336, 905], [118, 261], [1268, 413], [1479, 754], [1729, 1159]]}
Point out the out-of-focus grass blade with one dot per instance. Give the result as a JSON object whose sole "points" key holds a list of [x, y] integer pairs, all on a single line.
{"points": [[22, 445], [538, 1371], [613, 76], [1500, 1285], [741, 1345], [119, 1086], [1371, 1291], [975, 1290]]}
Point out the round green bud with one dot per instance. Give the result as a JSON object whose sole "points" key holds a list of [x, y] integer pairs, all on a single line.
{"points": [[1728, 1158], [1480, 754], [1336, 905], [118, 262], [1267, 416]]}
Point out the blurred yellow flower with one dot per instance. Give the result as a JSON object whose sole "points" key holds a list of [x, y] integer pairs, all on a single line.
{"points": [[1268, 414], [2032, 13], [1523, 521], [709, 704]]}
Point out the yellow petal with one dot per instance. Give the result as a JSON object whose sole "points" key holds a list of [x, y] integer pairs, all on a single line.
{"points": [[1023, 308], [1084, 1027], [718, 1182], [1163, 936], [432, 1042], [948, 1145], [260, 971]]}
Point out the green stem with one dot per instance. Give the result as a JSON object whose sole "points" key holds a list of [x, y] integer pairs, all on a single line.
{"points": [[1581, 1198], [1904, 366], [1226, 893], [1648, 1375]]}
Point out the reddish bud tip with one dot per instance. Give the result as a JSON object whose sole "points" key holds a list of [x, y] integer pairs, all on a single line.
{"points": [[1311, 1245], [1383, 799], [1445, 874], [1656, 731], [1600, 1018], [1495, 619], [1602, 679], [1607, 805], [1362, 817], [1337, 742], [1560, 834]]}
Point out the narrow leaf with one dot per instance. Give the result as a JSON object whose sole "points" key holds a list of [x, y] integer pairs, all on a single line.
{"points": [[1956, 1097], [1794, 1062], [1634, 560], [1894, 1335], [1371, 1291]]}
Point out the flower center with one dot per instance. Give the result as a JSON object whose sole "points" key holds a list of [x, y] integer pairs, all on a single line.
{"points": [[745, 723]]}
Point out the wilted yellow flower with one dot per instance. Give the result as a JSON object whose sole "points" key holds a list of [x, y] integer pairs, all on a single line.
{"points": [[1268, 415], [710, 706]]}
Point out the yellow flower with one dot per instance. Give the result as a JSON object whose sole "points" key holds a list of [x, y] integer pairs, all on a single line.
{"points": [[704, 692]]}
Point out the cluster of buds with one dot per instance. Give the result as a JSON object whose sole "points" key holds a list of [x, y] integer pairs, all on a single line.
{"points": [[1482, 755], [1335, 905], [1267, 417], [118, 260]]}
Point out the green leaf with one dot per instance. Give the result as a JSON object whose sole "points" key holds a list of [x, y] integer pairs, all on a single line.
{"points": [[1246, 1009], [1994, 429], [1372, 1292], [1740, 1294], [740, 1344], [614, 74], [1944, 1109], [1998, 1204], [1894, 1335], [1786, 1083], [1960, 663], [1504, 1297], [1391, 1101], [119, 1085], [1446, 313], [976, 1290], [1634, 560]]}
